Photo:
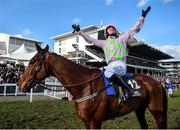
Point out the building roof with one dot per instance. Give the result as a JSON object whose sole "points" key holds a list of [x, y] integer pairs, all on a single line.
{"points": [[20, 54], [23, 38], [141, 48], [145, 51], [19, 37]]}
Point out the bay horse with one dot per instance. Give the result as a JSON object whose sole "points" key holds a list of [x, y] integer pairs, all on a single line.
{"points": [[83, 81]]}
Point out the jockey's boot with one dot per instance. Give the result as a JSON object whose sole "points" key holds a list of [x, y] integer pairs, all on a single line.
{"points": [[127, 90]]}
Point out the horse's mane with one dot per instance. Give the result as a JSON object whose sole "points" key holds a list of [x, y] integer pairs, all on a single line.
{"points": [[73, 64]]}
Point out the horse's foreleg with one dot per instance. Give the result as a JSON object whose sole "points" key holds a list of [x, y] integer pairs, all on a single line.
{"points": [[92, 124], [86, 124], [140, 114]]}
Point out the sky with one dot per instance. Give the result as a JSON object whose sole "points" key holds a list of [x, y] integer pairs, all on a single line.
{"points": [[42, 19]]}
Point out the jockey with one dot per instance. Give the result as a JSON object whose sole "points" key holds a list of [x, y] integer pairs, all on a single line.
{"points": [[115, 49]]}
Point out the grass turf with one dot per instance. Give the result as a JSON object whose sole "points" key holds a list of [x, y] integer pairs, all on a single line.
{"points": [[54, 114]]}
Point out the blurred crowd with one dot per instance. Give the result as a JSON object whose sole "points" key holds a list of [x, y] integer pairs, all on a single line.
{"points": [[175, 80], [10, 72], [163, 79]]}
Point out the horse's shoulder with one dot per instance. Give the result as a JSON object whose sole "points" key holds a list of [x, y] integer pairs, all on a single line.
{"points": [[95, 70], [137, 76]]}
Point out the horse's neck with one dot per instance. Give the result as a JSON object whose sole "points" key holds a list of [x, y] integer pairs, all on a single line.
{"points": [[67, 72]]}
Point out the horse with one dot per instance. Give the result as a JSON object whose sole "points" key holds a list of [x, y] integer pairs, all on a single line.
{"points": [[84, 81]]}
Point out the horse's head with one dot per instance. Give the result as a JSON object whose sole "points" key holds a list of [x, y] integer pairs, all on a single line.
{"points": [[36, 71]]}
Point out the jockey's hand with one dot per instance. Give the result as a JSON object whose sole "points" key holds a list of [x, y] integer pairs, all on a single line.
{"points": [[76, 28], [144, 12]]}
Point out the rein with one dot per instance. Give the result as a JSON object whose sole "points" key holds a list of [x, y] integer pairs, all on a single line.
{"points": [[75, 85]]}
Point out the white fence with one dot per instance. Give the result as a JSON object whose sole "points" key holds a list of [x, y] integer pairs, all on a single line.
{"points": [[13, 90], [9, 90]]}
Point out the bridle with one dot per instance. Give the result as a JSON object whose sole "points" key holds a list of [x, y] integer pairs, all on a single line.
{"points": [[39, 64], [41, 61]]}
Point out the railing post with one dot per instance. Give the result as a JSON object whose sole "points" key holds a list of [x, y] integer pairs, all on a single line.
{"points": [[16, 90], [45, 90], [31, 94], [5, 90], [55, 91], [135, 70], [66, 93]]}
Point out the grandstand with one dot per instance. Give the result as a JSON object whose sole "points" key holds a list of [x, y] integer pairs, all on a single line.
{"points": [[172, 65]]}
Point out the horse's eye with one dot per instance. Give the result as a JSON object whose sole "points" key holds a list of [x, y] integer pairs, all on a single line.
{"points": [[31, 61]]}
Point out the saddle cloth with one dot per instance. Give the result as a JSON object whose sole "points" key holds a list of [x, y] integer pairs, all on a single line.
{"points": [[113, 90]]}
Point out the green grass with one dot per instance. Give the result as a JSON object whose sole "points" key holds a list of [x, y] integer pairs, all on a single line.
{"points": [[61, 114]]}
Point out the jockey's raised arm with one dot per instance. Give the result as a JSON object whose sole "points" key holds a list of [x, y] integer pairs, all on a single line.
{"points": [[89, 39], [138, 25], [136, 28]]}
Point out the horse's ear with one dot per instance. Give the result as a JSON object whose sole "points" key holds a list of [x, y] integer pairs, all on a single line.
{"points": [[38, 48], [46, 49]]}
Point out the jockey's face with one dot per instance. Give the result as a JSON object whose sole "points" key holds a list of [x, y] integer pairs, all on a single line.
{"points": [[111, 30]]}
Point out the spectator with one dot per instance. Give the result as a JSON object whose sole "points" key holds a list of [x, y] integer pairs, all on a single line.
{"points": [[170, 89], [10, 73]]}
